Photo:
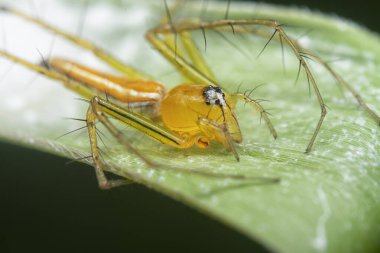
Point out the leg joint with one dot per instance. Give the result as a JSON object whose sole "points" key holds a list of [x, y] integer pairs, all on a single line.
{"points": [[323, 110]]}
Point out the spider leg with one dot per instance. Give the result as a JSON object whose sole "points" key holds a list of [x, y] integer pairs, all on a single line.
{"points": [[260, 109], [88, 45]]}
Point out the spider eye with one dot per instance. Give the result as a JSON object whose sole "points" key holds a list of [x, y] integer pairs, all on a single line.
{"points": [[214, 96]]}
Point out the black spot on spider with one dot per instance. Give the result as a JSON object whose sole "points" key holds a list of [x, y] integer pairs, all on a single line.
{"points": [[214, 96]]}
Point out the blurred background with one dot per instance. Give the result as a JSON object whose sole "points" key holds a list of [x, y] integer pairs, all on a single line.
{"points": [[49, 205], [364, 12]]}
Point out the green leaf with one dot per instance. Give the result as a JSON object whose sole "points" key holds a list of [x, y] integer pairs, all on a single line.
{"points": [[327, 201]]}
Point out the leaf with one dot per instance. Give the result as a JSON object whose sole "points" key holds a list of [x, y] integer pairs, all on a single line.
{"points": [[327, 200]]}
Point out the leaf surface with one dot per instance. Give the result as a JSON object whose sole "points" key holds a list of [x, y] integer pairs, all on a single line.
{"points": [[328, 200]]}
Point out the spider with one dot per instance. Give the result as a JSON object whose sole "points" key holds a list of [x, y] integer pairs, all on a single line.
{"points": [[193, 113]]}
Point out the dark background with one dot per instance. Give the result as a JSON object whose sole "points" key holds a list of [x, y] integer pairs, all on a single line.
{"points": [[47, 205], [365, 12]]}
